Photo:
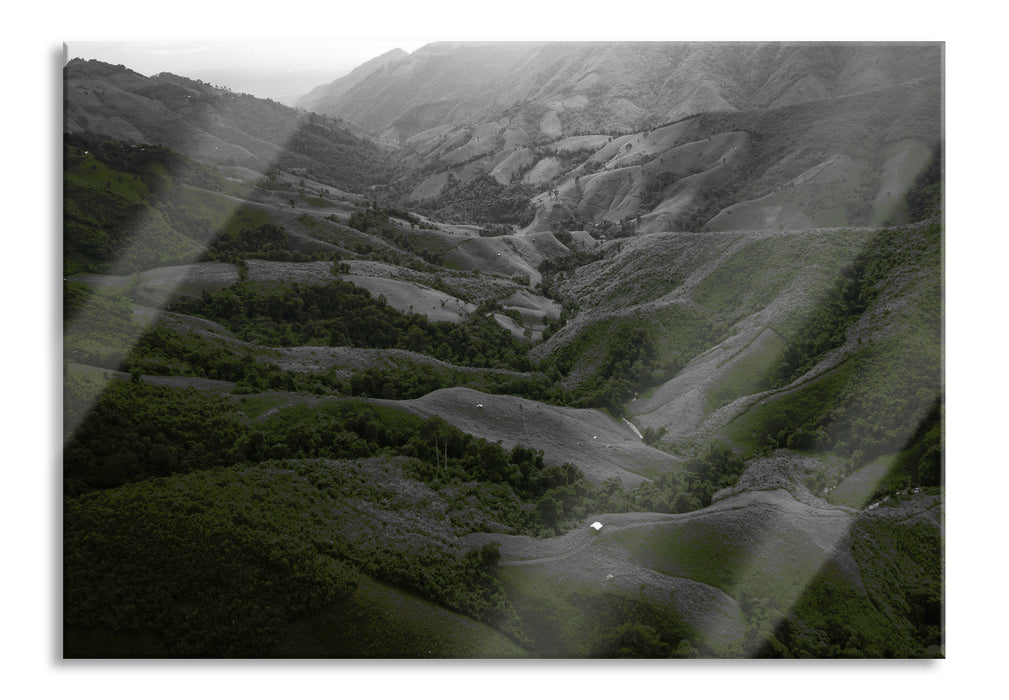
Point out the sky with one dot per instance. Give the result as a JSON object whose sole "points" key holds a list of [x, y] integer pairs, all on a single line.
{"points": [[282, 70]]}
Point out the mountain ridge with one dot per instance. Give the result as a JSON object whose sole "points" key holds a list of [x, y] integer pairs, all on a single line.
{"points": [[651, 78], [322, 96]]}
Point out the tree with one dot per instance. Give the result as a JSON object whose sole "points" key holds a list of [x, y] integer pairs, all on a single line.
{"points": [[549, 510], [486, 557], [681, 504], [416, 338]]}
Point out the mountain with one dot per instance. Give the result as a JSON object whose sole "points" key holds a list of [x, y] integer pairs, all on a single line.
{"points": [[215, 124], [578, 87], [321, 98], [660, 137], [486, 384]]}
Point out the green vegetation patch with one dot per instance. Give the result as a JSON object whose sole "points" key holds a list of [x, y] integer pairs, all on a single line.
{"points": [[381, 621], [750, 278], [618, 355], [572, 619], [776, 417], [831, 619], [98, 325], [84, 169], [136, 430], [901, 560], [106, 232], [921, 463], [214, 563], [127, 207], [185, 557], [341, 314], [747, 375], [772, 559]]}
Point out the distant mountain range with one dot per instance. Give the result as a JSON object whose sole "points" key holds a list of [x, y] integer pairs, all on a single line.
{"points": [[657, 136], [602, 87], [324, 98], [632, 136]]}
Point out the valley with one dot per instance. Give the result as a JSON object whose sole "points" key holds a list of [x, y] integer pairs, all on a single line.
{"points": [[354, 380]]}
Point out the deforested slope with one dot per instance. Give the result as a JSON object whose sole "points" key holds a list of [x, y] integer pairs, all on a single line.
{"points": [[600, 447], [662, 136], [743, 334], [599, 87]]}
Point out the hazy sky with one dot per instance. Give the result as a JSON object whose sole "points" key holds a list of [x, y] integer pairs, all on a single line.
{"points": [[281, 70]]}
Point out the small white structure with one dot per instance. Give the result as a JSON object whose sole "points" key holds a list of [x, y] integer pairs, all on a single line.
{"points": [[597, 526]]}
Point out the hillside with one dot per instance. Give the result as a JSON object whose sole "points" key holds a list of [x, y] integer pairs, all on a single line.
{"points": [[321, 98], [373, 400], [603, 87], [601, 447], [216, 124], [618, 135]]}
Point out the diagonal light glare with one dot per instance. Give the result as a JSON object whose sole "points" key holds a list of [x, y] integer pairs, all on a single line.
{"points": [[828, 526], [161, 284]]}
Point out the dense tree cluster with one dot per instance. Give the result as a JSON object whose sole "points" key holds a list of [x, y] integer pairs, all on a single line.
{"points": [[922, 461], [827, 323], [483, 200], [234, 584], [341, 314], [709, 469], [136, 431], [264, 242]]}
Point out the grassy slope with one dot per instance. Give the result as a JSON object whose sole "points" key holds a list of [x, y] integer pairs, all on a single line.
{"points": [[756, 574], [599, 446], [882, 371], [381, 621], [694, 291]]}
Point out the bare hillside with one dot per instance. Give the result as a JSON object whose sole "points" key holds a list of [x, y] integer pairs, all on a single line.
{"points": [[596, 444]]}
